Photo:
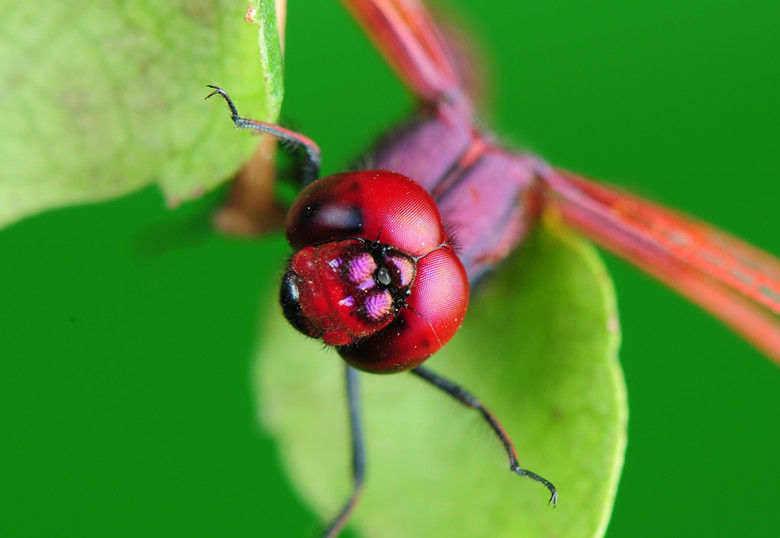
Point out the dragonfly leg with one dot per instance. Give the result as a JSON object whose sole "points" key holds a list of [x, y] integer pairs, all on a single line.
{"points": [[469, 400], [358, 454], [313, 155]]}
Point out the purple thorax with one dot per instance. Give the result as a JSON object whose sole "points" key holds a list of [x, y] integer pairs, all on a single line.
{"points": [[484, 192]]}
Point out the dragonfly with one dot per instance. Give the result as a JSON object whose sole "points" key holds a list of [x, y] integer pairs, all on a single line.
{"points": [[388, 296]]}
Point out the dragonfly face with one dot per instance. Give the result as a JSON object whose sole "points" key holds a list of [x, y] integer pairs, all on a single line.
{"points": [[375, 274]]}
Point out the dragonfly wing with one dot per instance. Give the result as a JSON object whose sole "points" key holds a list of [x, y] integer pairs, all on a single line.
{"points": [[736, 282], [408, 38]]}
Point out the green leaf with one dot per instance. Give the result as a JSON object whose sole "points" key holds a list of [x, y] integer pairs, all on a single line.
{"points": [[539, 348], [103, 98], [264, 14]]}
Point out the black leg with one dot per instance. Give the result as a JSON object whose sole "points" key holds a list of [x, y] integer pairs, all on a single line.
{"points": [[358, 455], [468, 399], [311, 166]]}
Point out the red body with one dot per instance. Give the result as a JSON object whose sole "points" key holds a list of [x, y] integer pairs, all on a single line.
{"points": [[488, 199]]}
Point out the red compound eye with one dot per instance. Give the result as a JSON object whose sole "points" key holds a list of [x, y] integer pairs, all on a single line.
{"points": [[374, 275], [373, 204]]}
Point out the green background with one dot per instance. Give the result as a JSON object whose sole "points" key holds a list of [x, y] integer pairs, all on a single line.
{"points": [[127, 330]]}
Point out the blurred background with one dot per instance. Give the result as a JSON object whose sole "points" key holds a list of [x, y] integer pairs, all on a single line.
{"points": [[127, 329]]}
